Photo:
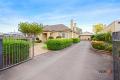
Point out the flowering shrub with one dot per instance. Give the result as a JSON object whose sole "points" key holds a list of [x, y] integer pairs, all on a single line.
{"points": [[100, 45]]}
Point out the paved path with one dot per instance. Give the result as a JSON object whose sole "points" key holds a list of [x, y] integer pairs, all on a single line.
{"points": [[77, 62], [39, 47]]}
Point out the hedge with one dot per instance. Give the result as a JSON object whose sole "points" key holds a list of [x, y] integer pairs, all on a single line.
{"points": [[15, 51], [76, 40], [57, 44]]}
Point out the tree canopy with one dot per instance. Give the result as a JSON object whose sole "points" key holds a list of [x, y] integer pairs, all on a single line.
{"points": [[30, 28], [98, 28]]}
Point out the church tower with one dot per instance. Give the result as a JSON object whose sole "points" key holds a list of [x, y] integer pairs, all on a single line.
{"points": [[72, 24]]}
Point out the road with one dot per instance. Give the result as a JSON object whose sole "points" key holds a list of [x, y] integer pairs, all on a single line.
{"points": [[77, 62]]}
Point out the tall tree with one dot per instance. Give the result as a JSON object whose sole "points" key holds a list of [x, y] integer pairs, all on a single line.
{"points": [[30, 29], [98, 28]]}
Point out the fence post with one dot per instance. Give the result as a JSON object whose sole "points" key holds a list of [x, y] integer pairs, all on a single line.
{"points": [[33, 40], [116, 55], [1, 54]]}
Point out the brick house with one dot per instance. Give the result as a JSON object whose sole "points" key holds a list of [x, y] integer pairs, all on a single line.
{"points": [[60, 30]]}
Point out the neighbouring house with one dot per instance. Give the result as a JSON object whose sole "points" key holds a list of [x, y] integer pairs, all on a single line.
{"points": [[1, 33], [86, 36], [113, 27], [15, 34], [60, 30]]}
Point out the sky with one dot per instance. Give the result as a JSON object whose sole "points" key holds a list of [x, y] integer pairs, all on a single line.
{"points": [[86, 13]]}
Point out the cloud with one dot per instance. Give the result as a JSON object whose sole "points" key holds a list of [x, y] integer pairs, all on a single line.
{"points": [[84, 12]]}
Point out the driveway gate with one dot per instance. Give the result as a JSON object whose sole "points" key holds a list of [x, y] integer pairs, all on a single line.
{"points": [[15, 50], [116, 55]]}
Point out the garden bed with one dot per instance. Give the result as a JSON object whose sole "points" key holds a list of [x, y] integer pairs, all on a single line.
{"points": [[100, 46]]}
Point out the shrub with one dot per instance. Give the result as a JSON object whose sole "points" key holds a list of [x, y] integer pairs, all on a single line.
{"points": [[108, 37], [108, 47], [92, 37], [51, 37], [98, 45], [37, 39], [57, 44], [102, 37], [102, 45], [76, 40], [58, 37], [15, 51]]}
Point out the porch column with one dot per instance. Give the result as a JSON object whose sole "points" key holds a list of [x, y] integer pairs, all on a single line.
{"points": [[48, 35]]}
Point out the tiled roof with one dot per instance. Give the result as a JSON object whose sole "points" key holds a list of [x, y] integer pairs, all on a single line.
{"points": [[57, 28], [86, 33]]}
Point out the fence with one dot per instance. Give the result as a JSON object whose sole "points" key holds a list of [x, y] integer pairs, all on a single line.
{"points": [[14, 50], [116, 55]]}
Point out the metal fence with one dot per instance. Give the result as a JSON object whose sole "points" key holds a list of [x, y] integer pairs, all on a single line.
{"points": [[116, 55], [15, 50]]}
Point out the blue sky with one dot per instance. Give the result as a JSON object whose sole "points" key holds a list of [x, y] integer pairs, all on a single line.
{"points": [[84, 12]]}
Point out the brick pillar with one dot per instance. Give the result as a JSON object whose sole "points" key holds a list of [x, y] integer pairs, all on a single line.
{"points": [[1, 54]]}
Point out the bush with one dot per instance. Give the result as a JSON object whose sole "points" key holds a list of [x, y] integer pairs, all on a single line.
{"points": [[76, 40], [98, 45], [108, 47], [58, 37], [51, 37], [57, 44], [102, 45], [37, 39], [102, 37], [15, 51], [92, 37], [108, 37]]}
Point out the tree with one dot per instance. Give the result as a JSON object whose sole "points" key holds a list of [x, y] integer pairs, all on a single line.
{"points": [[98, 28], [30, 29]]}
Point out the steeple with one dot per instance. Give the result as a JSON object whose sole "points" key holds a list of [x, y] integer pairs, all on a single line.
{"points": [[72, 24]]}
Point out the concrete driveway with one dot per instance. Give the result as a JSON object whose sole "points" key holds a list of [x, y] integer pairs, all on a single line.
{"points": [[77, 62]]}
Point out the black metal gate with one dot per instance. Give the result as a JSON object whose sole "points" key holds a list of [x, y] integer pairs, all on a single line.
{"points": [[116, 55], [15, 50]]}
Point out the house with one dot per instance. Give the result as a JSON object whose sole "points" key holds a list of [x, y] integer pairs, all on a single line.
{"points": [[86, 36], [60, 30], [1, 33], [113, 27]]}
